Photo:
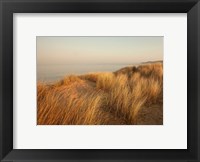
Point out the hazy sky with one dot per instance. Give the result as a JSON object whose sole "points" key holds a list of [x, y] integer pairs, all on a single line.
{"points": [[98, 50]]}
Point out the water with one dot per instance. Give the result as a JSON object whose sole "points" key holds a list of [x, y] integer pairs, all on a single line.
{"points": [[56, 72]]}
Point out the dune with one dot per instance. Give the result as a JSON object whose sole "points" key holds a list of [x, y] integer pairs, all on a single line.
{"points": [[130, 96]]}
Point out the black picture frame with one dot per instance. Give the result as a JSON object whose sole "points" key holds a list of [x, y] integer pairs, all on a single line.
{"points": [[8, 7]]}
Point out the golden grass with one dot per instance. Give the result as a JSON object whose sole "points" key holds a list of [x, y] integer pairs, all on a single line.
{"points": [[105, 81], [101, 98], [93, 77]]}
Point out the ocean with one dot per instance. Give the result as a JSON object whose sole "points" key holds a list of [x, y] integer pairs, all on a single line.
{"points": [[55, 72]]}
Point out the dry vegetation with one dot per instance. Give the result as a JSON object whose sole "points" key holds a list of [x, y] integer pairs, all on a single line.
{"points": [[132, 95]]}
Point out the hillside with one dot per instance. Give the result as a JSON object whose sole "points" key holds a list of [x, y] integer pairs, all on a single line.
{"points": [[130, 96]]}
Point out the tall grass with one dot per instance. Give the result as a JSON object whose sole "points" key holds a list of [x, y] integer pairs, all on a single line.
{"points": [[105, 81], [101, 98]]}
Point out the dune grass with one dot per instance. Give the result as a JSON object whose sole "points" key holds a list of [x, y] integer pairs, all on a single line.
{"points": [[102, 98]]}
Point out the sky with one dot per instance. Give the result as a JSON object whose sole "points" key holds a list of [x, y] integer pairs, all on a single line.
{"points": [[98, 50]]}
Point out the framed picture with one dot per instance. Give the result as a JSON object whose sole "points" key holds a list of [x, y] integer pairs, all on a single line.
{"points": [[99, 80]]}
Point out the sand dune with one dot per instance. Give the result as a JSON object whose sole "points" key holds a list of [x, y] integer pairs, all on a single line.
{"points": [[129, 96]]}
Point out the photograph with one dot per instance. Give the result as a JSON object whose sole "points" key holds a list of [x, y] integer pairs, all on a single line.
{"points": [[99, 80]]}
